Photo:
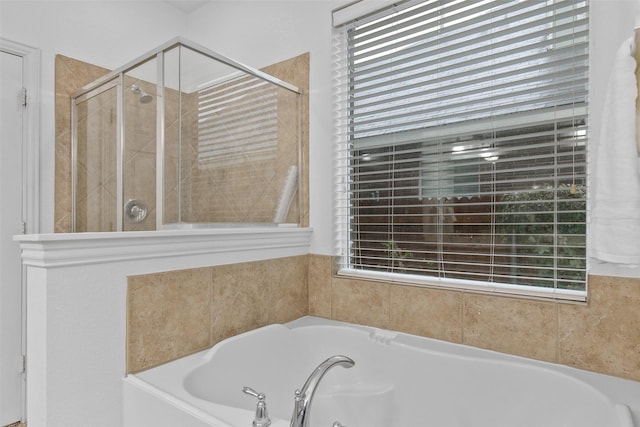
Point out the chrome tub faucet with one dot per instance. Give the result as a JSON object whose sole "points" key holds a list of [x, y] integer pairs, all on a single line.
{"points": [[304, 396]]}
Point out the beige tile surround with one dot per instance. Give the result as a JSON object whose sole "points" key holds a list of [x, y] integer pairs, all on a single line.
{"points": [[70, 75], [177, 313], [602, 335]]}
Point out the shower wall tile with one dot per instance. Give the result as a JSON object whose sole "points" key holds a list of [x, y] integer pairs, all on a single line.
{"points": [[603, 336], [244, 193], [180, 155], [140, 178], [247, 187], [426, 312], [70, 75], [62, 205], [171, 156], [139, 168]]}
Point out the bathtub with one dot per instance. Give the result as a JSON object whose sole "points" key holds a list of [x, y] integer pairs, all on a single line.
{"points": [[398, 380]]}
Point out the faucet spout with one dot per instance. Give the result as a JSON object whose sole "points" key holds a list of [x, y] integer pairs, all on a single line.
{"points": [[304, 396]]}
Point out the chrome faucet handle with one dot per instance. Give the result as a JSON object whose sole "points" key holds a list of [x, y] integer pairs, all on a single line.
{"points": [[337, 424], [252, 392], [262, 417]]}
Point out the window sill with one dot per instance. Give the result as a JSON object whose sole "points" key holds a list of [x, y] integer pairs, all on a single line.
{"points": [[517, 291]]}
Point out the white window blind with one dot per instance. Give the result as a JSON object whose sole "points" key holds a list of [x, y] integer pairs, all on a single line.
{"points": [[462, 144]]}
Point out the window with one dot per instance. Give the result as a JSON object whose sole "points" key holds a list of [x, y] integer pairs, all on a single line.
{"points": [[462, 145]]}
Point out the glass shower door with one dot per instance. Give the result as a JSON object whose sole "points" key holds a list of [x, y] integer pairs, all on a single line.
{"points": [[95, 164], [139, 147]]}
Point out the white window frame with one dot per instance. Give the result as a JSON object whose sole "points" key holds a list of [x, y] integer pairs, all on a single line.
{"points": [[368, 10]]}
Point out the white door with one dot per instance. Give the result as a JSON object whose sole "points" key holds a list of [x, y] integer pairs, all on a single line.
{"points": [[11, 223]]}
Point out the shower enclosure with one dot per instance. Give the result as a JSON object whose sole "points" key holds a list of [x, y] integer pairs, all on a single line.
{"points": [[184, 137]]}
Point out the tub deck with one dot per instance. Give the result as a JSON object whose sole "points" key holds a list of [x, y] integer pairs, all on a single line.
{"points": [[399, 380]]}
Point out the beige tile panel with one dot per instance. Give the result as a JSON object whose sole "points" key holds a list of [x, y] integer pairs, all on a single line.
{"points": [[427, 312], [320, 267], [603, 336], [62, 208], [70, 75], [239, 299], [287, 283], [250, 295], [173, 314], [167, 316], [296, 72], [516, 326], [361, 302]]}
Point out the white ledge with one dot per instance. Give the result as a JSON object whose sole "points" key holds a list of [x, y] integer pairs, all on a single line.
{"points": [[68, 249]]}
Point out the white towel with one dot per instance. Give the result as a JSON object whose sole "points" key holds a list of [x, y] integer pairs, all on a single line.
{"points": [[615, 202]]}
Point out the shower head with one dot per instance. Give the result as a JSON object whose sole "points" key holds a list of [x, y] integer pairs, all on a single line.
{"points": [[145, 98]]}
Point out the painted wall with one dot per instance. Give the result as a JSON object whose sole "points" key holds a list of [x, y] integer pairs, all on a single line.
{"points": [[612, 22]]}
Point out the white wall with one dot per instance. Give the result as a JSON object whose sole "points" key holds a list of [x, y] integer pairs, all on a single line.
{"points": [[612, 22]]}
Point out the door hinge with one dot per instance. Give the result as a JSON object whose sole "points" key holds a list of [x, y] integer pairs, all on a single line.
{"points": [[23, 96], [23, 368], [23, 228]]}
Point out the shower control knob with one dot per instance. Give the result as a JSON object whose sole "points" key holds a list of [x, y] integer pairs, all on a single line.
{"points": [[262, 417], [135, 210]]}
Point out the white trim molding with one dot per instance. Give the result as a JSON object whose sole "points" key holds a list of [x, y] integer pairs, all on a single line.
{"points": [[183, 248]]}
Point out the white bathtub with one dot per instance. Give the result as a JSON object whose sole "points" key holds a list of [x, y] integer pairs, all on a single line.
{"points": [[398, 380]]}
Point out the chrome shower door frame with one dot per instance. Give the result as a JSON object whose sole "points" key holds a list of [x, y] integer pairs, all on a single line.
{"points": [[116, 78]]}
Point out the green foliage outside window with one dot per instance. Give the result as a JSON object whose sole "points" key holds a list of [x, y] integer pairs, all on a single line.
{"points": [[526, 219]]}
